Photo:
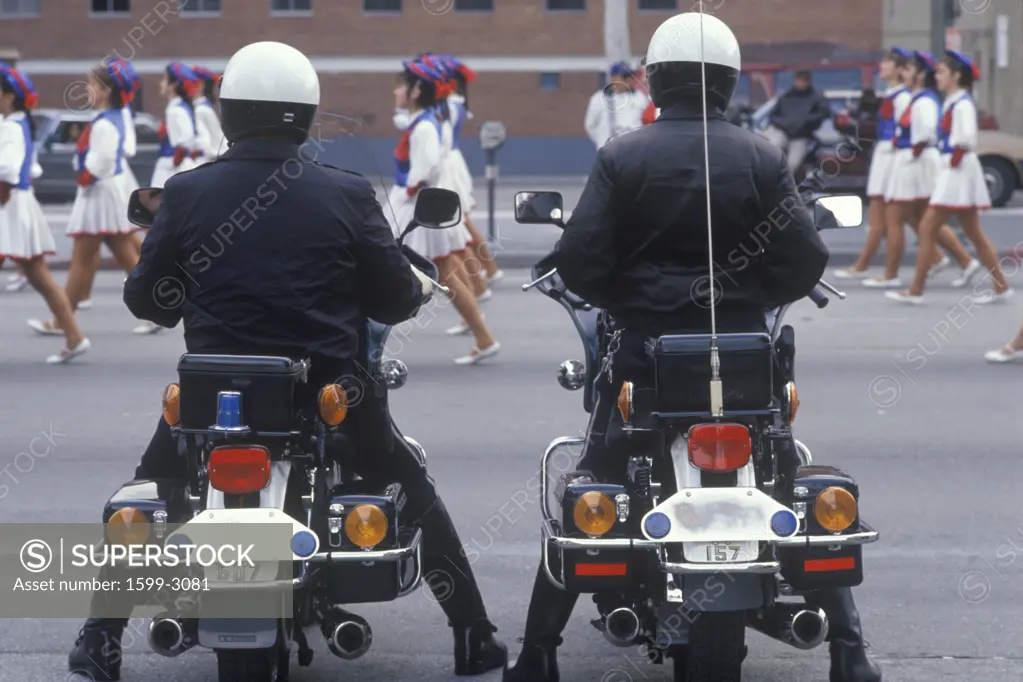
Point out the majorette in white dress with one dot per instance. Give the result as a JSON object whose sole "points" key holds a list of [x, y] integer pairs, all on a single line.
{"points": [[24, 232], [915, 166], [179, 139], [895, 100], [130, 147], [458, 168], [211, 136], [458, 235], [101, 204], [962, 187], [419, 158]]}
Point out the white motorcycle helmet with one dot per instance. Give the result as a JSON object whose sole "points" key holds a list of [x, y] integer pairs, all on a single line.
{"points": [[674, 56], [268, 89]]}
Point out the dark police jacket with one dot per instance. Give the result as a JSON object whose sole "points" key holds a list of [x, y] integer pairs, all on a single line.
{"points": [[265, 253], [637, 242]]}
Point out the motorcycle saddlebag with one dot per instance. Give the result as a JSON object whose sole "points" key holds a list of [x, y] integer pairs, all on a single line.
{"points": [[812, 567], [267, 385], [682, 371]]}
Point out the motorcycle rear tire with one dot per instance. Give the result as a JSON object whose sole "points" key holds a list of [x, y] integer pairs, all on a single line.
{"points": [[716, 649], [252, 665]]}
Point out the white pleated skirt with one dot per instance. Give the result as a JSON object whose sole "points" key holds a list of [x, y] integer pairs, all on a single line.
{"points": [[101, 209], [165, 169], [24, 232], [963, 187], [912, 178], [131, 183], [880, 169], [461, 179], [432, 244]]}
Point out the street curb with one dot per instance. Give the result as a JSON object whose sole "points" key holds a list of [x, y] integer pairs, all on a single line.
{"points": [[514, 260]]}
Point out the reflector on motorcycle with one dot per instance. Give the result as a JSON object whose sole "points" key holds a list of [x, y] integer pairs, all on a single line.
{"points": [[333, 404], [601, 570], [128, 526], [719, 447], [820, 565], [172, 404], [835, 509], [239, 470]]}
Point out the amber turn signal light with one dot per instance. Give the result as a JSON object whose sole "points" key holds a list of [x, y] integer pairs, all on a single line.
{"points": [[625, 402], [333, 404], [835, 509], [172, 404]]}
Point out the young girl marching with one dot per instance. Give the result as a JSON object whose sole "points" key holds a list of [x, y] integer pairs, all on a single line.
{"points": [[458, 104], [130, 78], [180, 143], [895, 99], [100, 212], [960, 187], [206, 113], [25, 236], [472, 273], [420, 164], [911, 178]]}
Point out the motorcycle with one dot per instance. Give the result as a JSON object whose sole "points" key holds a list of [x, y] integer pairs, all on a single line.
{"points": [[701, 540], [252, 453]]}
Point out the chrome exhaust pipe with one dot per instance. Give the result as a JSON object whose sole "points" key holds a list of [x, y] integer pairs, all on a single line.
{"points": [[797, 625], [621, 627], [167, 637], [348, 635]]}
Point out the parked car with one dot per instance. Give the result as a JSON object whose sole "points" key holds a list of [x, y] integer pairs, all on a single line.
{"points": [[57, 132], [1001, 154]]}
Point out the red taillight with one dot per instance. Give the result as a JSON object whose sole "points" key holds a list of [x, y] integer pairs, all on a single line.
{"points": [[601, 570], [238, 471], [719, 447], [821, 565]]}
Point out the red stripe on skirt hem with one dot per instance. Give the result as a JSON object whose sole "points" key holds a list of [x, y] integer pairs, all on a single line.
{"points": [[972, 207], [23, 259]]}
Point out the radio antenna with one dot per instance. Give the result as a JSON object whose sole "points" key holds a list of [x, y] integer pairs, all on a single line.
{"points": [[717, 407]]}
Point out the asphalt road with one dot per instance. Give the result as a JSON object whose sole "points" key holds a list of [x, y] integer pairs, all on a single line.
{"points": [[522, 245], [931, 442]]}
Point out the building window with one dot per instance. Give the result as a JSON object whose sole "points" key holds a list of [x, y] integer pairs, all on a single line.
{"points": [[381, 5], [19, 8], [550, 81], [566, 5], [474, 5], [200, 7], [657, 5], [289, 6], [111, 6]]}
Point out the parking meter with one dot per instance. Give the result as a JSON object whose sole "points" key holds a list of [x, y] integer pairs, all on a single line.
{"points": [[492, 135]]}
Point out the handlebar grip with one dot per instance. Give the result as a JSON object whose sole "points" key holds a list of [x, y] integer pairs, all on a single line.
{"points": [[818, 296]]}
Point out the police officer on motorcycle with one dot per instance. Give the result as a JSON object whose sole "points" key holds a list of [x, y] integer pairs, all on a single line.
{"points": [[311, 258], [637, 246]]}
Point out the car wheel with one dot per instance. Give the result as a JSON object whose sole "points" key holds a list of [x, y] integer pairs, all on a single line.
{"points": [[1001, 179]]}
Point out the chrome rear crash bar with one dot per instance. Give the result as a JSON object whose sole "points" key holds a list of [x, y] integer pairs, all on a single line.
{"points": [[361, 557], [863, 537], [747, 568]]}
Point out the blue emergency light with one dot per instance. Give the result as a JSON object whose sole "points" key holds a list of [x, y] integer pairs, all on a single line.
{"points": [[229, 409]]}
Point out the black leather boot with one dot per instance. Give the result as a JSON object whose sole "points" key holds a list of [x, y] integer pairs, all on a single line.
{"points": [[549, 611], [449, 574], [849, 662], [97, 652]]}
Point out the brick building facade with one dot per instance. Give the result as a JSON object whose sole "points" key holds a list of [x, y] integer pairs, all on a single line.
{"points": [[538, 62]]}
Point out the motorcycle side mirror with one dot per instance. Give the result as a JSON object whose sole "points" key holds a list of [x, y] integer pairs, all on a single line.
{"points": [[840, 210], [143, 205], [539, 208], [437, 209]]}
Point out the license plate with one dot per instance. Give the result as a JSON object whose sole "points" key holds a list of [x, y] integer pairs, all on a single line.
{"points": [[720, 552]]}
